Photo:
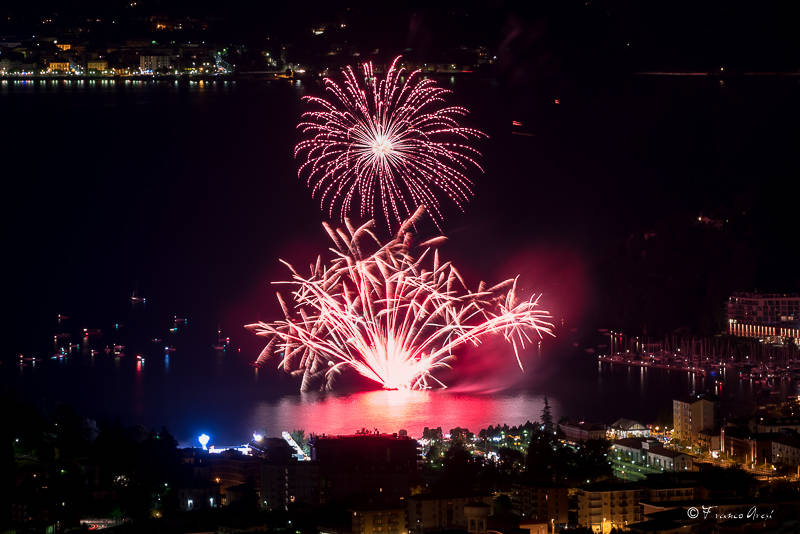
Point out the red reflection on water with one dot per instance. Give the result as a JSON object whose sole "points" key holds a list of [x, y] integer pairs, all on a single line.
{"points": [[138, 392], [391, 410]]}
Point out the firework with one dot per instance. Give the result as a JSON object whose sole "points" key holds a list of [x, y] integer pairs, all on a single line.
{"points": [[389, 144], [394, 315]]}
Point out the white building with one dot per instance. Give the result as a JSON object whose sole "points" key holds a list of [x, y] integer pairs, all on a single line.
{"points": [[668, 459], [154, 63], [786, 451], [689, 418], [764, 315], [651, 453], [627, 428]]}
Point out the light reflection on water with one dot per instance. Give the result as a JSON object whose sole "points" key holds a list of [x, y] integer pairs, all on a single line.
{"points": [[390, 411], [222, 395]]}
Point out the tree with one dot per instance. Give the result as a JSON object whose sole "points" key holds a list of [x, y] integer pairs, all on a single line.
{"points": [[434, 455], [547, 419], [545, 456], [433, 434], [511, 460], [460, 469], [460, 434]]}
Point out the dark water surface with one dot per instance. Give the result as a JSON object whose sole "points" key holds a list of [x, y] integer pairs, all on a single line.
{"points": [[187, 194], [197, 391]]}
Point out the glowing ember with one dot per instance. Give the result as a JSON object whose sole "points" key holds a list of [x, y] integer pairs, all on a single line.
{"points": [[391, 315], [389, 142]]}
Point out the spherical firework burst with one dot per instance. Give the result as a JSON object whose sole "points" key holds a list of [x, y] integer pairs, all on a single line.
{"points": [[392, 315], [388, 143]]}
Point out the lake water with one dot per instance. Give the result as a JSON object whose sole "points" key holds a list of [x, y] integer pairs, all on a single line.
{"points": [[195, 390], [187, 194]]}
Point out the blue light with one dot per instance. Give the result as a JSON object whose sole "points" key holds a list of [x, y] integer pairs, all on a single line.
{"points": [[204, 439]]}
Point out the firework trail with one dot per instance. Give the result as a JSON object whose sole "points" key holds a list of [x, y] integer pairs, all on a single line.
{"points": [[392, 315], [390, 143]]}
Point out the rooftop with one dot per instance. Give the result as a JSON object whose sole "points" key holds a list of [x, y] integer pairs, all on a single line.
{"points": [[449, 495], [628, 424], [745, 295], [630, 443], [667, 453], [700, 397]]}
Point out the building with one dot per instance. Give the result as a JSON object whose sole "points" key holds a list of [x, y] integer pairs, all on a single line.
{"points": [[365, 465], [582, 431], [199, 496], [541, 504], [682, 420], [154, 63], [627, 428], [292, 482], [231, 468], [97, 65], [703, 415], [476, 515], [282, 479], [669, 460], [630, 449], [433, 513], [535, 528], [708, 440], [658, 491], [651, 453], [786, 450], [778, 424], [764, 315], [690, 417], [58, 66], [741, 445], [379, 519], [756, 448], [605, 506]]}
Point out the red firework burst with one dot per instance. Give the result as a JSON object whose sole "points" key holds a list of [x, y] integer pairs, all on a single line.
{"points": [[390, 143], [393, 315]]}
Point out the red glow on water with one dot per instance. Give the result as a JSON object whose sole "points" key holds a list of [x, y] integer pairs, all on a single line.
{"points": [[393, 410]]}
